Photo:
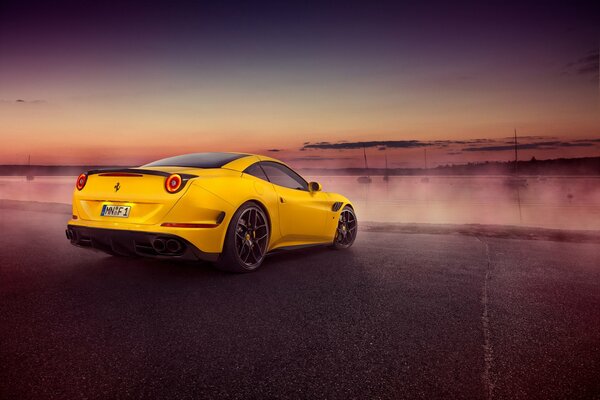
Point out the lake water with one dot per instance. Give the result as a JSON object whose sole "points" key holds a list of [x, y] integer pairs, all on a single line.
{"points": [[552, 202]]}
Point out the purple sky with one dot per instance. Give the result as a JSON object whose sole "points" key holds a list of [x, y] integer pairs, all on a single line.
{"points": [[97, 78]]}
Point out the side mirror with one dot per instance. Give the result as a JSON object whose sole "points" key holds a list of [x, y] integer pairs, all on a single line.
{"points": [[314, 187]]}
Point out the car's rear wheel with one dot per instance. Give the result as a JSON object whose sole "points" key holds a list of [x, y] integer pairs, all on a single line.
{"points": [[347, 228], [246, 241]]}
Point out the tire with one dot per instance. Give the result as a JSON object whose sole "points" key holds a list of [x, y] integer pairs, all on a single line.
{"points": [[246, 240], [345, 234]]}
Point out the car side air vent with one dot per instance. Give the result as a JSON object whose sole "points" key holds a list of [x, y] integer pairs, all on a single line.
{"points": [[336, 206]]}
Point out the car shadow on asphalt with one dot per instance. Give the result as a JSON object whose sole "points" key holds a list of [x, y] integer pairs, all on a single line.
{"points": [[276, 261], [300, 254]]}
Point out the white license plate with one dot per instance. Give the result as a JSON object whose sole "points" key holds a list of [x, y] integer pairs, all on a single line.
{"points": [[115, 211]]}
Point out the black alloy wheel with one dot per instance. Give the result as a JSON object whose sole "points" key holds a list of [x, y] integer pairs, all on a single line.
{"points": [[246, 241], [347, 228]]}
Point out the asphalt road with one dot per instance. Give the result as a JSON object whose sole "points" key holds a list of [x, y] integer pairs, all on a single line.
{"points": [[397, 316]]}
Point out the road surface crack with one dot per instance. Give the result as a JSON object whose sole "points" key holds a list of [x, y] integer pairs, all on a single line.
{"points": [[488, 385]]}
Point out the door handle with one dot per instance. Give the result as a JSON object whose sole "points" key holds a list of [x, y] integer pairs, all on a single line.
{"points": [[281, 199]]}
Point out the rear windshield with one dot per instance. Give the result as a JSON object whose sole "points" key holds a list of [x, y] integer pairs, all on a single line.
{"points": [[197, 160]]}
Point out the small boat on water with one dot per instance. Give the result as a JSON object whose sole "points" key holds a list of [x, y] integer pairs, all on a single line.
{"points": [[365, 179]]}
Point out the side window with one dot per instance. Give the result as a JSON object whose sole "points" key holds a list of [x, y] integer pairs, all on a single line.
{"points": [[257, 171], [283, 176]]}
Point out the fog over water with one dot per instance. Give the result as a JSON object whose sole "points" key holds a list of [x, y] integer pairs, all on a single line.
{"points": [[549, 202]]}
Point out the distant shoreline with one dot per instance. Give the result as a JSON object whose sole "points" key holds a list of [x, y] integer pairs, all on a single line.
{"points": [[585, 166], [478, 230]]}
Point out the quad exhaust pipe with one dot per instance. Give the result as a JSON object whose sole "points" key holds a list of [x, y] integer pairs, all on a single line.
{"points": [[167, 246], [162, 246], [159, 245], [173, 246]]}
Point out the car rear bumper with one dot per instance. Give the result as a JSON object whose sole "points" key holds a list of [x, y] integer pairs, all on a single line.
{"points": [[136, 243]]}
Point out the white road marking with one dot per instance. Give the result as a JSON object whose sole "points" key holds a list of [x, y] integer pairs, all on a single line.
{"points": [[488, 354]]}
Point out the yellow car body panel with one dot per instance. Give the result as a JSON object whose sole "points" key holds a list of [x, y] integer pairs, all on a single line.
{"points": [[210, 197]]}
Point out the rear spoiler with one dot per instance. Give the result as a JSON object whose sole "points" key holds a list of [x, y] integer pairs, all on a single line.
{"points": [[137, 171]]}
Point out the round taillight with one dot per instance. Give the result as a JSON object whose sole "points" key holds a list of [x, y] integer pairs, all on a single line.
{"points": [[173, 183], [81, 180]]}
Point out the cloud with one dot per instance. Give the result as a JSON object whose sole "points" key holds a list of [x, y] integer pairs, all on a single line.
{"points": [[391, 144], [22, 101], [469, 145], [31, 101], [360, 145], [440, 144], [588, 140], [588, 65], [530, 137], [317, 158], [578, 144], [546, 145]]}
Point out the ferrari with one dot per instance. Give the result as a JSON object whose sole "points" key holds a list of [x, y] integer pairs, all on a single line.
{"points": [[228, 208]]}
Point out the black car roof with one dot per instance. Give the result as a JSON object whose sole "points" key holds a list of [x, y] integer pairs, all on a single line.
{"points": [[197, 160]]}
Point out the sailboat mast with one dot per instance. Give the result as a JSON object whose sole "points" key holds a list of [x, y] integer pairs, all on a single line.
{"points": [[425, 154], [365, 155], [385, 175], [29, 175], [516, 156]]}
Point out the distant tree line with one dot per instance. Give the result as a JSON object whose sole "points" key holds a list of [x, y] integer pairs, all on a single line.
{"points": [[561, 166]]}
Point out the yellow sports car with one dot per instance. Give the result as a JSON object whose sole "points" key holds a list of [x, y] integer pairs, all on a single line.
{"points": [[229, 208]]}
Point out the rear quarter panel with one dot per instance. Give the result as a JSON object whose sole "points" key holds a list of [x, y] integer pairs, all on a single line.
{"points": [[236, 188]]}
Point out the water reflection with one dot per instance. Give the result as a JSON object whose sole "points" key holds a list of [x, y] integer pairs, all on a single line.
{"points": [[551, 202]]}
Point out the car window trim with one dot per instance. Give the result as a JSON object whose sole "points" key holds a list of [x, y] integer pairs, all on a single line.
{"points": [[245, 171], [285, 166]]}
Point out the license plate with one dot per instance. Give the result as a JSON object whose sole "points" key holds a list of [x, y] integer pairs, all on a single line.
{"points": [[115, 211]]}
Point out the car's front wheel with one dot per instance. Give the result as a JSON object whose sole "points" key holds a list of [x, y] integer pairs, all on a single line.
{"points": [[347, 228], [246, 241]]}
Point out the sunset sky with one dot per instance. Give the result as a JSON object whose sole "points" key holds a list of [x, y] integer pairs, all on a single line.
{"points": [[129, 82]]}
